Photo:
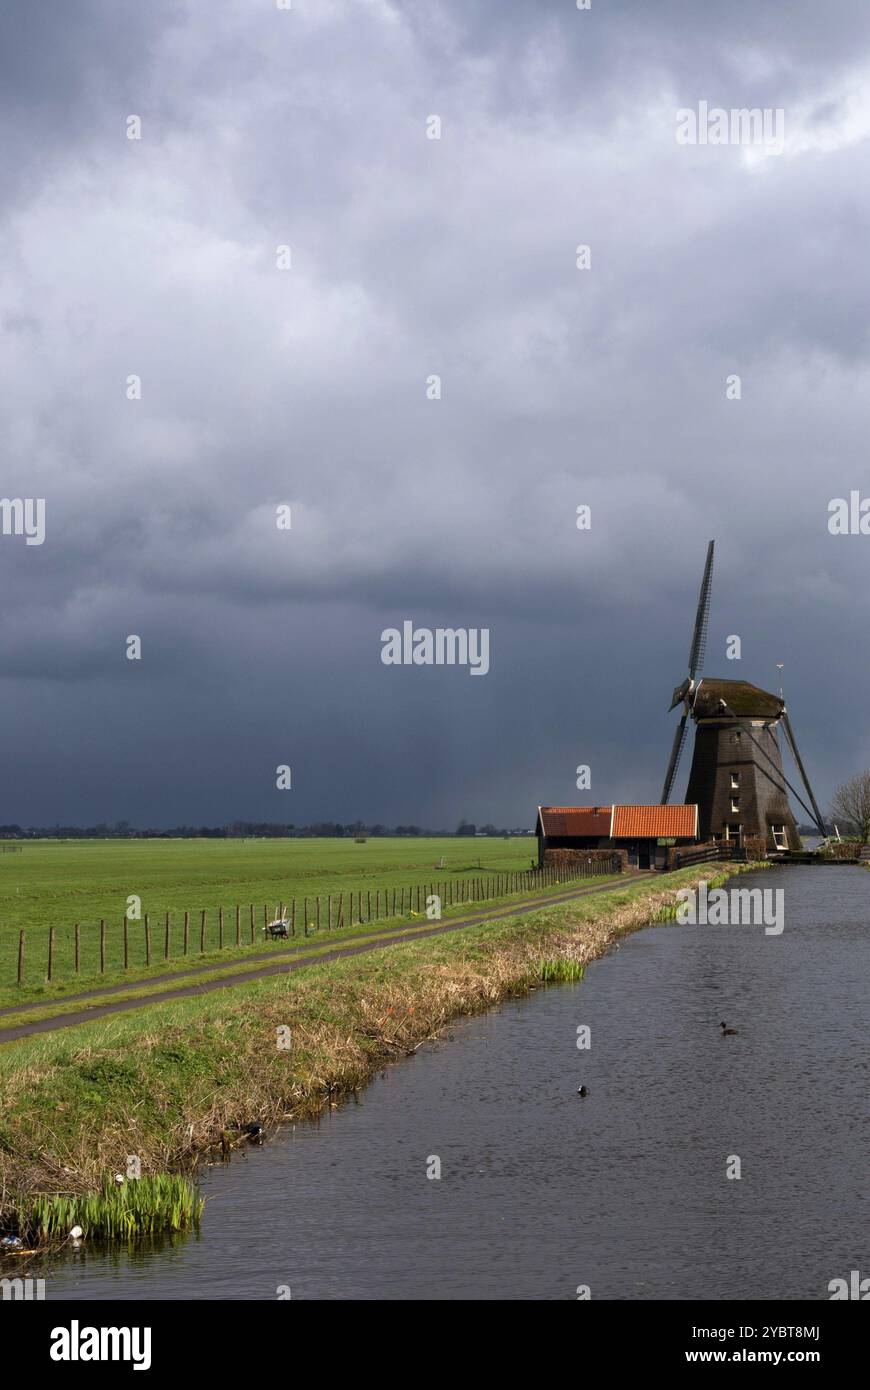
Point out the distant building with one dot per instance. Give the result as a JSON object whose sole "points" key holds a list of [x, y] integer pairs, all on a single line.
{"points": [[632, 831]]}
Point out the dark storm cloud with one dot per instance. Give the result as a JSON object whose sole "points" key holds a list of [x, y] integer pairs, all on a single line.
{"points": [[413, 257]]}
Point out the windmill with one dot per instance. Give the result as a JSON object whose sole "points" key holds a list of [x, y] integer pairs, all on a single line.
{"points": [[736, 779]]}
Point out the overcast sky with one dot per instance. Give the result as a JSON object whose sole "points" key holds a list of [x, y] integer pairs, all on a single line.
{"points": [[412, 257]]}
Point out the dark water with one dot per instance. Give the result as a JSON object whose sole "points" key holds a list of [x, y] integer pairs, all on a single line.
{"points": [[541, 1191]]}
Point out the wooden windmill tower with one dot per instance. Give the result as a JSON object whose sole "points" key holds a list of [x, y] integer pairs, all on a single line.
{"points": [[737, 777]]}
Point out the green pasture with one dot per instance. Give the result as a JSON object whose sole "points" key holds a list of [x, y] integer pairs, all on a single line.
{"points": [[60, 883]]}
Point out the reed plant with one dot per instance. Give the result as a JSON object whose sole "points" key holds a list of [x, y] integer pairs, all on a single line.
{"points": [[561, 971], [136, 1207]]}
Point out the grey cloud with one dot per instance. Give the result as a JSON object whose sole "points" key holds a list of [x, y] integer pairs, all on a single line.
{"points": [[413, 257]]}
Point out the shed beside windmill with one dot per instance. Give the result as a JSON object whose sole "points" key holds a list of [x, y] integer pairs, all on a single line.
{"points": [[631, 831]]}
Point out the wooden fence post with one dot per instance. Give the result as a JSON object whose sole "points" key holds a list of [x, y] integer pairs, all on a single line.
{"points": [[202, 931], [186, 930], [78, 948], [329, 913], [293, 918], [339, 913], [238, 925], [126, 945], [304, 916], [220, 929], [102, 946], [318, 913], [147, 940], [21, 957], [252, 924], [50, 952], [166, 939]]}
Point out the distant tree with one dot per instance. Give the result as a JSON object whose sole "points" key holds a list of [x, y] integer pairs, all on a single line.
{"points": [[488, 830], [850, 806], [466, 828]]}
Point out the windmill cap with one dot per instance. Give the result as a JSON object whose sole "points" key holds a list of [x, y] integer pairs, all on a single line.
{"points": [[742, 699]]}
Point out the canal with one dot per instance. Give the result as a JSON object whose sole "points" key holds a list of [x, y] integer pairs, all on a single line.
{"points": [[542, 1192]]}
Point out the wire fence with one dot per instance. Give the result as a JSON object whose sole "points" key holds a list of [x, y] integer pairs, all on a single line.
{"points": [[90, 949]]}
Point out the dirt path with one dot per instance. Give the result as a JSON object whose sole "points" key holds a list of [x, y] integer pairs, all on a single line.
{"points": [[281, 965]]}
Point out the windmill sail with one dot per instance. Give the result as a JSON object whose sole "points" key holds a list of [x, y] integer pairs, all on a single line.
{"points": [[683, 692], [676, 751]]}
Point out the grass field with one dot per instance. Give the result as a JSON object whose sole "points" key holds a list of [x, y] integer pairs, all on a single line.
{"points": [[58, 883]]}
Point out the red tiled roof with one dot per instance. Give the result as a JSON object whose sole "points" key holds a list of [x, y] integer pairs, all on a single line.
{"points": [[576, 820], [655, 822]]}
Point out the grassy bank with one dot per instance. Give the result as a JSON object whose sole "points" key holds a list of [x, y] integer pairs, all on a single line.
{"points": [[178, 1079]]}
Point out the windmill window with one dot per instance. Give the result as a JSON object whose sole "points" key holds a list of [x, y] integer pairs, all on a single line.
{"points": [[732, 831], [735, 781], [735, 804], [780, 839]]}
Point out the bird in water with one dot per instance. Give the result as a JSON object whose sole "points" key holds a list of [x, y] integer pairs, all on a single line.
{"points": [[728, 1032], [582, 1091]]}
